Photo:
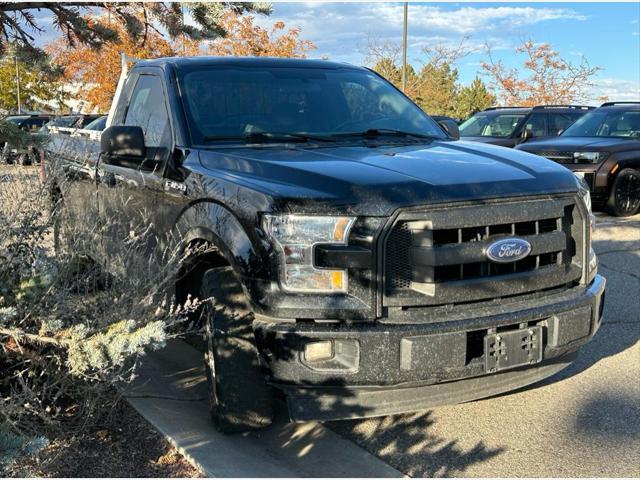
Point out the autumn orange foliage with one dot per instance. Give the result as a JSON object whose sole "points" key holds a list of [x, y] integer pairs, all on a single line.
{"points": [[96, 72], [246, 39], [546, 78]]}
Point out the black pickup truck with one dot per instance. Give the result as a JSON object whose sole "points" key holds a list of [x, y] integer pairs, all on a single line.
{"points": [[365, 261]]}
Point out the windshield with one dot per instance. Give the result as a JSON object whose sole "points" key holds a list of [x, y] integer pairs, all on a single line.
{"points": [[97, 124], [603, 123], [491, 125], [64, 122], [230, 103]]}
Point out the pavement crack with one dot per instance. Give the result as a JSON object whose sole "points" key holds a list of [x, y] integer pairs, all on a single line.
{"points": [[617, 270]]}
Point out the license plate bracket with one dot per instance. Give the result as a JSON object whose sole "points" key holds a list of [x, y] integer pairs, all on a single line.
{"points": [[514, 348]]}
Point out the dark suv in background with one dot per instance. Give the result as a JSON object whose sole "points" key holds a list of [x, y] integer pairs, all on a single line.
{"points": [[29, 123], [604, 148], [510, 126]]}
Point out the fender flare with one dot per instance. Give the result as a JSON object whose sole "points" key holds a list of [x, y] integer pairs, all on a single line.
{"points": [[213, 222]]}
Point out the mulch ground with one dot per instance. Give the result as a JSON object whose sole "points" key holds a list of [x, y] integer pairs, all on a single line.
{"points": [[127, 447]]}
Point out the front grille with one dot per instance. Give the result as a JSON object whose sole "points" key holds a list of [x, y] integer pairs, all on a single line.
{"points": [[438, 257], [560, 157]]}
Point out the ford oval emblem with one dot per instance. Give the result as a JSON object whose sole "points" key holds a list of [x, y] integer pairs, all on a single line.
{"points": [[508, 250]]}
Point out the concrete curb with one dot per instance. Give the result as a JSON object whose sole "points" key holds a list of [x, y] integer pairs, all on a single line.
{"points": [[171, 394]]}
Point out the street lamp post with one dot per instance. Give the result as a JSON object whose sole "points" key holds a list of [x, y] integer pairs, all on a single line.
{"points": [[18, 84], [404, 47]]}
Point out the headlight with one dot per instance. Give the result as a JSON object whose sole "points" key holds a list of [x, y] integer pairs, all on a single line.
{"points": [[296, 237], [591, 157]]}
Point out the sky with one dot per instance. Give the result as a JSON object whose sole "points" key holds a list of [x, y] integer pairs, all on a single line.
{"points": [[606, 34]]}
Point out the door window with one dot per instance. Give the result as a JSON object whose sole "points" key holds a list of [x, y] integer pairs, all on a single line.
{"points": [[33, 124], [560, 122], [537, 124], [147, 110]]}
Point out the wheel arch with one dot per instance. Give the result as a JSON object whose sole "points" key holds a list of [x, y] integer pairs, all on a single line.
{"points": [[226, 242], [631, 160]]}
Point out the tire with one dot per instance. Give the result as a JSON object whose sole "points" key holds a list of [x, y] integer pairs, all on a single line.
{"points": [[624, 199], [239, 396]]}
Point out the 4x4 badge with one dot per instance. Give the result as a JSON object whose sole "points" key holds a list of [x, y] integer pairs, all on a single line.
{"points": [[508, 250], [171, 185]]}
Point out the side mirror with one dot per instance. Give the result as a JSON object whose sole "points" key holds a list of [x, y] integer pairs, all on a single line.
{"points": [[123, 141], [527, 134], [450, 127]]}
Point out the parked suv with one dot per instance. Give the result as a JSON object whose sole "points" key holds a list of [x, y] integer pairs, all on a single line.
{"points": [[510, 126], [603, 147], [28, 123], [363, 262]]}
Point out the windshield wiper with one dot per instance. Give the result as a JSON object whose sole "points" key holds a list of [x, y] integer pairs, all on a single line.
{"points": [[259, 137], [378, 132]]}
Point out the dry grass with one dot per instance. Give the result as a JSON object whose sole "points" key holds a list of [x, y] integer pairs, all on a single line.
{"points": [[69, 332]]}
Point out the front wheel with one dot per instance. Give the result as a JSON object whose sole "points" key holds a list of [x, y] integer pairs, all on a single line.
{"points": [[624, 199], [240, 398]]}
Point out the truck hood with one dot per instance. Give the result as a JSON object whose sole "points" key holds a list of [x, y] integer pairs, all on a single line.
{"points": [[582, 144], [375, 180]]}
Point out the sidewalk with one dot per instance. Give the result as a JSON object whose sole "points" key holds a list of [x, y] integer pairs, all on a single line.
{"points": [[171, 394]]}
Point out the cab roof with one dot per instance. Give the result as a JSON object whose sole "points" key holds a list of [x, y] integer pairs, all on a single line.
{"points": [[546, 108], [626, 106], [260, 62]]}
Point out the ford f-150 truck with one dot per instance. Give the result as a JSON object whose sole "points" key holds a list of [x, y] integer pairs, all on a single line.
{"points": [[364, 261]]}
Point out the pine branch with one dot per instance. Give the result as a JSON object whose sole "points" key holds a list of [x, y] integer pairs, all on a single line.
{"points": [[19, 335]]}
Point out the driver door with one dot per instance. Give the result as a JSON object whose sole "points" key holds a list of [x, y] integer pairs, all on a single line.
{"points": [[128, 191]]}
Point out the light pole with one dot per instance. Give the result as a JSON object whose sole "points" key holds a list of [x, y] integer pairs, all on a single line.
{"points": [[404, 47], [18, 83], [15, 58]]}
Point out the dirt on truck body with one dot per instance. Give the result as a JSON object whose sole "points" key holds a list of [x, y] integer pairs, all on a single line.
{"points": [[364, 261]]}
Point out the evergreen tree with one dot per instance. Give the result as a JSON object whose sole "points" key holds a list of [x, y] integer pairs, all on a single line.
{"points": [[472, 99], [18, 22], [438, 89]]}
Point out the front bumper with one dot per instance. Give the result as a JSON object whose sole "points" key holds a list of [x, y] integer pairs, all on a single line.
{"points": [[396, 368]]}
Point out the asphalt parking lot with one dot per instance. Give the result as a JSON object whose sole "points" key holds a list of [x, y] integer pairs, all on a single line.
{"points": [[583, 422]]}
